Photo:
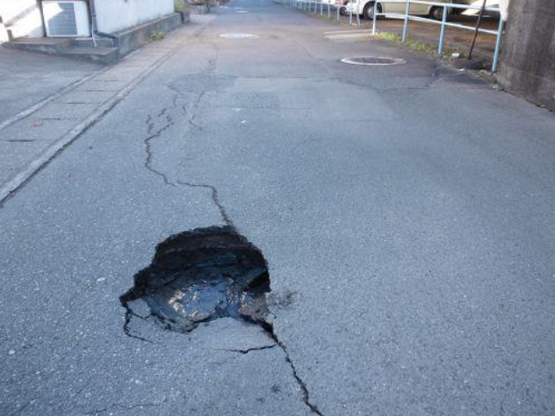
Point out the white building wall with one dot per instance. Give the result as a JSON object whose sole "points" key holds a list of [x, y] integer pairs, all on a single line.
{"points": [[22, 18], [114, 15]]}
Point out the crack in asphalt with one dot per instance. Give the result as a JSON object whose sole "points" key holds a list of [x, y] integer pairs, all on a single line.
{"points": [[190, 113], [166, 120], [269, 328], [247, 350], [164, 117], [216, 199]]}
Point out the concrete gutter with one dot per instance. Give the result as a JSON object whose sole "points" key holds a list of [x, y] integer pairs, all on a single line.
{"points": [[125, 76]]}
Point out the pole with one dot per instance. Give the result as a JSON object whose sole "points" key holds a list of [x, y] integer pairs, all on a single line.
{"points": [[374, 17], [478, 23], [406, 25], [442, 34], [497, 46]]}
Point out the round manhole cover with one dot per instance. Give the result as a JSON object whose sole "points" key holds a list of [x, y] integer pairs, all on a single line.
{"points": [[373, 60], [237, 35]]}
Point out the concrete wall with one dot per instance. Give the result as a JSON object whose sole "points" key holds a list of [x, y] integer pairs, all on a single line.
{"points": [[528, 68], [21, 18], [115, 15]]}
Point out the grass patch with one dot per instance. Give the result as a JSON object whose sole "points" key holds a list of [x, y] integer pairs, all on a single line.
{"points": [[181, 5], [422, 47], [157, 35]]}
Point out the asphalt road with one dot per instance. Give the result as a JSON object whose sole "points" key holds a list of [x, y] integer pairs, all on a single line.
{"points": [[406, 214]]}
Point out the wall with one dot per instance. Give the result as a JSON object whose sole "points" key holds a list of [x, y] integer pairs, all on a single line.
{"points": [[114, 15], [22, 18], [528, 68]]}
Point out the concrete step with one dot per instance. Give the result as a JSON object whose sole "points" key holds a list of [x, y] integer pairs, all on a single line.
{"points": [[101, 55], [89, 43], [44, 45]]}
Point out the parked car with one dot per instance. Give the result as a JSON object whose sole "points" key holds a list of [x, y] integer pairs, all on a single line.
{"points": [[337, 3], [366, 8]]}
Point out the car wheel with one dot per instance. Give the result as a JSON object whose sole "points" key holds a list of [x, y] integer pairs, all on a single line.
{"points": [[436, 13], [368, 11]]}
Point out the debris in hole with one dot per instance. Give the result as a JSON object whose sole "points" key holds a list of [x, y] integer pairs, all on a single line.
{"points": [[198, 276]]}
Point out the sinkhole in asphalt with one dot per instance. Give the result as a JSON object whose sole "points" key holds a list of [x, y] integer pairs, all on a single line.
{"points": [[373, 61], [198, 276]]}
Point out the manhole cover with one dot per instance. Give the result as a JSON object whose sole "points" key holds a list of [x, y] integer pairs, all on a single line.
{"points": [[237, 35], [373, 60], [199, 276]]}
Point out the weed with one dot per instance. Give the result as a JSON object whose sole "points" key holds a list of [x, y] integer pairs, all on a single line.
{"points": [[413, 44], [159, 35]]}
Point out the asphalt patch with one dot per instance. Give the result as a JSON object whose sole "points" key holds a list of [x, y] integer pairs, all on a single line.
{"points": [[199, 276]]}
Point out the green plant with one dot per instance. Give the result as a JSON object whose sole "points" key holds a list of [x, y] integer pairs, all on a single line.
{"points": [[389, 36], [180, 5], [413, 44], [159, 35]]}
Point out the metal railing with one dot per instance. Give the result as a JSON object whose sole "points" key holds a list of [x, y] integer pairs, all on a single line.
{"points": [[320, 7], [444, 23], [312, 6]]}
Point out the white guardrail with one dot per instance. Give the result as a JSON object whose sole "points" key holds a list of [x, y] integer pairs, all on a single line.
{"points": [[313, 5]]}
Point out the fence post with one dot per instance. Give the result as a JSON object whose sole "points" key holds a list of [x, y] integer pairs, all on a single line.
{"points": [[442, 34], [406, 25], [374, 17], [497, 46]]}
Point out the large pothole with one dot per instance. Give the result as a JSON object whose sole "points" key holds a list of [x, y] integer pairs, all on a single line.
{"points": [[198, 276]]}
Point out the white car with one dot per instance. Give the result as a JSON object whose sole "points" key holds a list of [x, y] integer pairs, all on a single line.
{"points": [[366, 8]]}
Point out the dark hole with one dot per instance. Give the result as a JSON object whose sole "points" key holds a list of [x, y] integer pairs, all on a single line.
{"points": [[198, 276]]}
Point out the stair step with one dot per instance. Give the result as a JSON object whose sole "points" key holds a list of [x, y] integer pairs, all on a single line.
{"points": [[101, 54], [89, 43], [47, 45]]}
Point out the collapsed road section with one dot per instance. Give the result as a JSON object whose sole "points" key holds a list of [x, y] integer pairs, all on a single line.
{"points": [[201, 275]]}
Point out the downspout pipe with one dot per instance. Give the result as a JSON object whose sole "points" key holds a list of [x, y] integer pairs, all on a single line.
{"points": [[95, 30]]}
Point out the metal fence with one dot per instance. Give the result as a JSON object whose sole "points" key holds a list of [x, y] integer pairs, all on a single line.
{"points": [[314, 5]]}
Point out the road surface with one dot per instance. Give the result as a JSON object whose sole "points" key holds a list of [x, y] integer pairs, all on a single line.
{"points": [[405, 212]]}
